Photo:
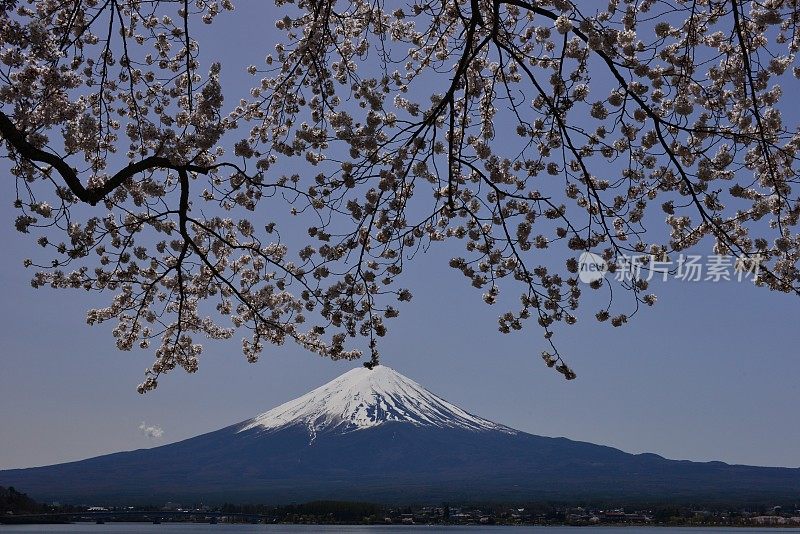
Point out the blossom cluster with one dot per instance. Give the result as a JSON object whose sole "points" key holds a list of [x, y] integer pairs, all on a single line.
{"points": [[511, 130]]}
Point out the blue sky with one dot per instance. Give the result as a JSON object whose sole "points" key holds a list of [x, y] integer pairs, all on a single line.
{"points": [[709, 373]]}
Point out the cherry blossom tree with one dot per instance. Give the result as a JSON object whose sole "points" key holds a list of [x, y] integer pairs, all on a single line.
{"points": [[504, 126]]}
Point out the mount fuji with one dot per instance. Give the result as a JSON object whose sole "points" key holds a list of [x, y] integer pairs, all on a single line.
{"points": [[376, 435]]}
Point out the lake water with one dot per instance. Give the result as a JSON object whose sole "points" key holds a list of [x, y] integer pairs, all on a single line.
{"points": [[142, 528]]}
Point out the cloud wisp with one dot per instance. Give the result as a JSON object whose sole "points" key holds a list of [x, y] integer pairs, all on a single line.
{"points": [[151, 431]]}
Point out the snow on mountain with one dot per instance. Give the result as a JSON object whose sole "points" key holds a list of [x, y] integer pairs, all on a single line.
{"points": [[364, 398]]}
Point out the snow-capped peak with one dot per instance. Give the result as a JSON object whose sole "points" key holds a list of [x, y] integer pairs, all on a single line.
{"points": [[364, 398]]}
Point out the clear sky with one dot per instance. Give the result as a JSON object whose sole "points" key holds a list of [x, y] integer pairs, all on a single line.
{"points": [[711, 372]]}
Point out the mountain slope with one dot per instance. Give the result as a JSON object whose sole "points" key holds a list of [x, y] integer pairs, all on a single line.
{"points": [[376, 435], [362, 398]]}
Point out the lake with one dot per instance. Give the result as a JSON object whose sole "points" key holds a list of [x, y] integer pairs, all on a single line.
{"points": [[199, 528]]}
